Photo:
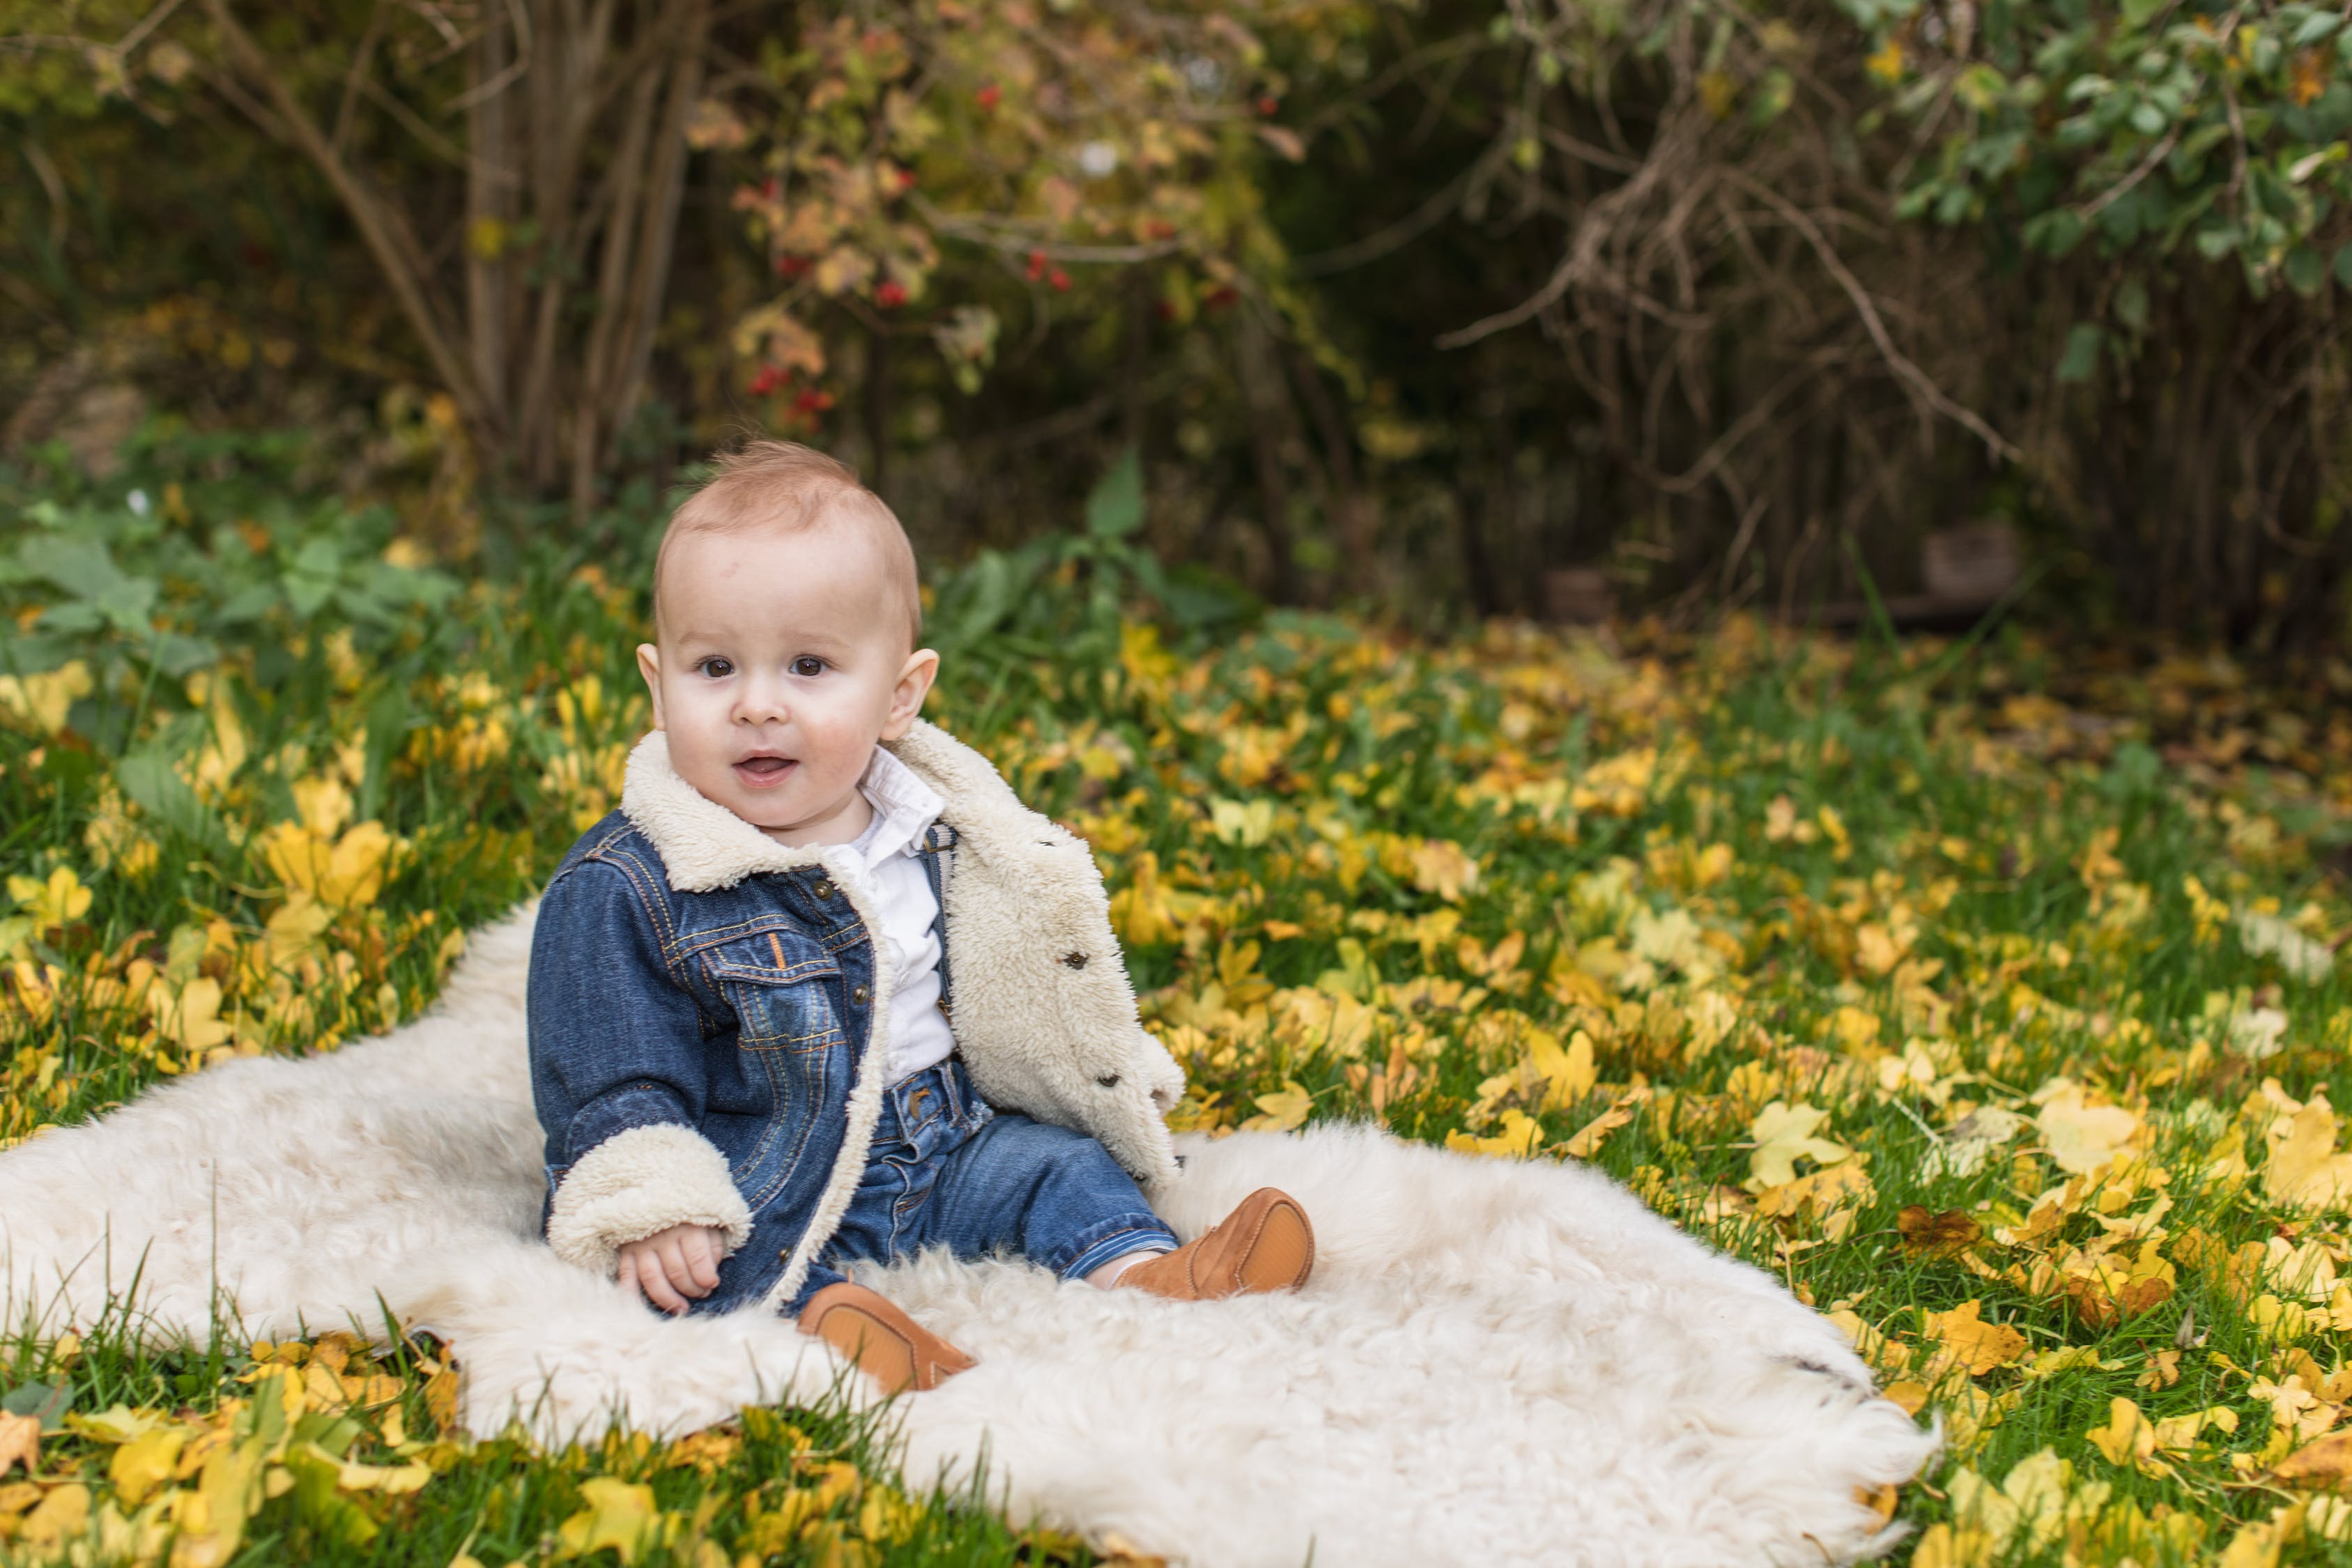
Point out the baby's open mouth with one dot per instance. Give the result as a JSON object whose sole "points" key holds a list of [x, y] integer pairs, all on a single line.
{"points": [[763, 770]]}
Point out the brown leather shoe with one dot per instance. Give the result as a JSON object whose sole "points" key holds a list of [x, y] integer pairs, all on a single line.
{"points": [[1266, 1244], [888, 1346]]}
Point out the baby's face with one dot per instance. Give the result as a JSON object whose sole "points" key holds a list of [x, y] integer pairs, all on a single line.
{"points": [[783, 660]]}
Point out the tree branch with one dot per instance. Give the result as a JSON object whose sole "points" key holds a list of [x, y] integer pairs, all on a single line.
{"points": [[381, 226]]}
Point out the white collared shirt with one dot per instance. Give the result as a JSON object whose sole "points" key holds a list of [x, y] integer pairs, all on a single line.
{"points": [[889, 850]]}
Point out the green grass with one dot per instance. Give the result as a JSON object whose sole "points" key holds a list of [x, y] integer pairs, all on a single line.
{"points": [[1896, 883]]}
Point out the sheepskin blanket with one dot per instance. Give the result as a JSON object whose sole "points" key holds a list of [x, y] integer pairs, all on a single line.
{"points": [[1494, 1363]]}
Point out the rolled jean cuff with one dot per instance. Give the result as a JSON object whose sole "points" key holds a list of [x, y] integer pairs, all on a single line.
{"points": [[1115, 1238]]}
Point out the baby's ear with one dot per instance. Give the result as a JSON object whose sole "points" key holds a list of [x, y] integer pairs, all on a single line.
{"points": [[649, 666], [915, 678]]}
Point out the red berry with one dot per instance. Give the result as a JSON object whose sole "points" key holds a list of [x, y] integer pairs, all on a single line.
{"points": [[1223, 294], [1037, 265], [906, 181], [1164, 309], [789, 266], [813, 401], [1267, 104], [989, 97], [770, 378], [891, 295], [1060, 280]]}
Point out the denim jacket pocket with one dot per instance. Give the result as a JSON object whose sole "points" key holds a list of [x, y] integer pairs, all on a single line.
{"points": [[789, 1038], [777, 986]]}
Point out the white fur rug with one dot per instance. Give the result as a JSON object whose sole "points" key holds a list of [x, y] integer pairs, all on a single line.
{"points": [[1494, 1363]]}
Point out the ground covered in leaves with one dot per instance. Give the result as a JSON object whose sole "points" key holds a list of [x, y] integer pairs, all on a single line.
{"points": [[1986, 990]]}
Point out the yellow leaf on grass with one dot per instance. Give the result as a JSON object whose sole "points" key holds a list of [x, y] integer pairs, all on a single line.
{"points": [[2084, 1138], [619, 1514], [346, 874], [1973, 1343], [2325, 1463], [2304, 1170], [1281, 1111], [1442, 867], [63, 1515], [1783, 1134], [1587, 1140], [2126, 1438], [1517, 1140], [20, 1442], [44, 700], [1944, 1234], [1568, 1073], [145, 1462], [61, 899]]}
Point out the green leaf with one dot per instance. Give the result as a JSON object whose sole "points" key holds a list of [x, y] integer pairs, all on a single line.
{"points": [[1115, 510], [80, 567], [147, 777], [2304, 271], [2081, 360], [50, 1400], [2344, 265], [2131, 304], [2315, 27]]}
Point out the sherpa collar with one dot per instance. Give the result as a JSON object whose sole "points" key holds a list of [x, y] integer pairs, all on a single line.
{"points": [[705, 846]]}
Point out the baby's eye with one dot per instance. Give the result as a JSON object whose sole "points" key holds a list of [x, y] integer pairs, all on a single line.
{"points": [[808, 664], [715, 667]]}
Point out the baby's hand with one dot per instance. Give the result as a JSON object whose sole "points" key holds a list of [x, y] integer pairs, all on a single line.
{"points": [[671, 1265]]}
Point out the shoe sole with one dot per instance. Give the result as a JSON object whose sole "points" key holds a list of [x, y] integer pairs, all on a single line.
{"points": [[1282, 1254]]}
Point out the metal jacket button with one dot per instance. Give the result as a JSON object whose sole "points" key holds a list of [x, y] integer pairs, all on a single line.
{"points": [[823, 888], [861, 996]]}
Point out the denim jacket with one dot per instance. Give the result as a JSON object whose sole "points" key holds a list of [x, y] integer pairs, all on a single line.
{"points": [[709, 1013]]}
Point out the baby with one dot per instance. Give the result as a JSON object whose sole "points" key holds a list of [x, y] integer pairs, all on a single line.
{"points": [[824, 989]]}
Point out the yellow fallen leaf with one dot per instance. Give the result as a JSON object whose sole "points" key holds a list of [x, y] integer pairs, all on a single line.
{"points": [[1442, 867], [20, 1442], [44, 699], [1517, 1140], [115, 1423], [1783, 1134], [393, 1480], [1281, 1111], [1972, 1343], [323, 802], [145, 1462], [2126, 1438], [2084, 1138], [1586, 1140], [2304, 1170], [1568, 1073], [1945, 1234], [619, 1514], [2326, 1462], [59, 900], [64, 1515]]}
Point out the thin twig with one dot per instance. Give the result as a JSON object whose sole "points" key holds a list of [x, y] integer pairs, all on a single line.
{"points": [[1911, 374]]}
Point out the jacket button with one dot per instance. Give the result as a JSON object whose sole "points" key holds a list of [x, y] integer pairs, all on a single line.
{"points": [[861, 996], [823, 888]]}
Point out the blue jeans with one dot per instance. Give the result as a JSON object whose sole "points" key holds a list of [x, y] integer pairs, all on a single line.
{"points": [[946, 1170]]}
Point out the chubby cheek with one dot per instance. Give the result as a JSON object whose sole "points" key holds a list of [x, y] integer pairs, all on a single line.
{"points": [[836, 741], [700, 738]]}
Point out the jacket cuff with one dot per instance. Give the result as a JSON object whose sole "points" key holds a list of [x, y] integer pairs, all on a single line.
{"points": [[640, 1182]]}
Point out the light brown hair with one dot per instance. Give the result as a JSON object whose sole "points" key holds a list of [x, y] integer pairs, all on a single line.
{"points": [[792, 488]]}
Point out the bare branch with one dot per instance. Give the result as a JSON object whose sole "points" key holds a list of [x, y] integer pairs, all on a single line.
{"points": [[381, 226], [1909, 374]]}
